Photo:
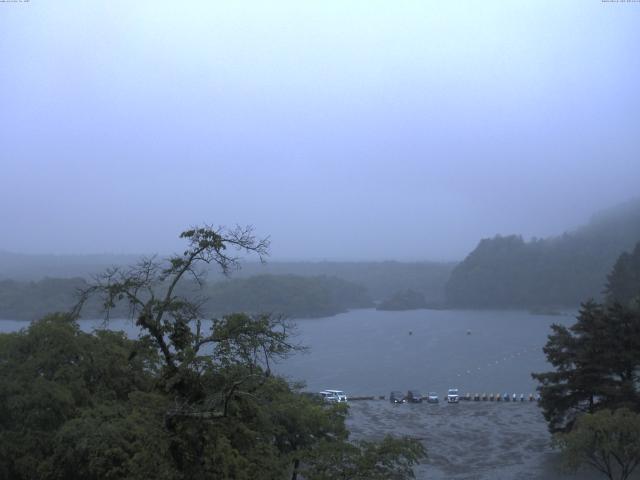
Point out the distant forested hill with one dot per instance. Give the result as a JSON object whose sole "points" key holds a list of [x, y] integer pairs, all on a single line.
{"points": [[381, 279], [561, 271], [403, 300], [17, 266], [290, 295], [33, 300]]}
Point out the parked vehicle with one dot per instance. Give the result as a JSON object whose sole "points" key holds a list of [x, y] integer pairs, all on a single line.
{"points": [[414, 396], [328, 397], [453, 396], [397, 397], [432, 397], [339, 394]]}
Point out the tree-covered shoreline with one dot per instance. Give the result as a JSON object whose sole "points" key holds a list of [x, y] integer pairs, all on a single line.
{"points": [[289, 295], [557, 272], [403, 300], [186, 400]]}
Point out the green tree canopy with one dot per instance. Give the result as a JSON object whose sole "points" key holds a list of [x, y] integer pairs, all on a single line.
{"points": [[507, 271], [597, 364], [623, 283], [607, 441], [71, 402], [188, 399]]}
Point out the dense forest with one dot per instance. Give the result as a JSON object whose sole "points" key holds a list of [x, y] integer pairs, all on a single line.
{"points": [[623, 283], [381, 279], [507, 271], [33, 285], [403, 300], [20, 300], [289, 295]]}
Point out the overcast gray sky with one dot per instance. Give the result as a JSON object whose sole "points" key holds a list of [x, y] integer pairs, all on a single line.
{"points": [[343, 129]]}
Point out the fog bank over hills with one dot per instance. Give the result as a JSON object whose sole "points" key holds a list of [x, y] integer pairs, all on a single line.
{"points": [[381, 279], [20, 266], [507, 271], [503, 271], [345, 130]]}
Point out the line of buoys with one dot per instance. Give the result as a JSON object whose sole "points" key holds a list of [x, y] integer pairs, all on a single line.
{"points": [[500, 397], [476, 397]]}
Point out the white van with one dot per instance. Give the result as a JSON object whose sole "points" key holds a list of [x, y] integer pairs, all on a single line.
{"points": [[453, 396], [333, 396], [328, 397]]}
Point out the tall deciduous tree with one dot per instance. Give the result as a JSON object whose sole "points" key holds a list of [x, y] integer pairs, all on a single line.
{"points": [[607, 441], [172, 319], [227, 415]]}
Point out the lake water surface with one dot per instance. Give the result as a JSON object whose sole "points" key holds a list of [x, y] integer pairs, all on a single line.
{"points": [[369, 352]]}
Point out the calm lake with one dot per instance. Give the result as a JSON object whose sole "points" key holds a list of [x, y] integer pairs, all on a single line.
{"points": [[369, 352]]}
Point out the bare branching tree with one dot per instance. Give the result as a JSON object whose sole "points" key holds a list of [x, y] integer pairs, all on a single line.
{"points": [[209, 366], [173, 320]]}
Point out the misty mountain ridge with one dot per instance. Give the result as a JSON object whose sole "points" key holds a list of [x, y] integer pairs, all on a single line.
{"points": [[501, 272], [381, 279], [509, 272], [22, 266]]}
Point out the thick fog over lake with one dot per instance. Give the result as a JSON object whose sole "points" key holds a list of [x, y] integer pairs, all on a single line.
{"points": [[344, 130]]}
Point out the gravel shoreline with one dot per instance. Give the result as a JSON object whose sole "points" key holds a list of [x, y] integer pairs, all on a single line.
{"points": [[471, 440]]}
